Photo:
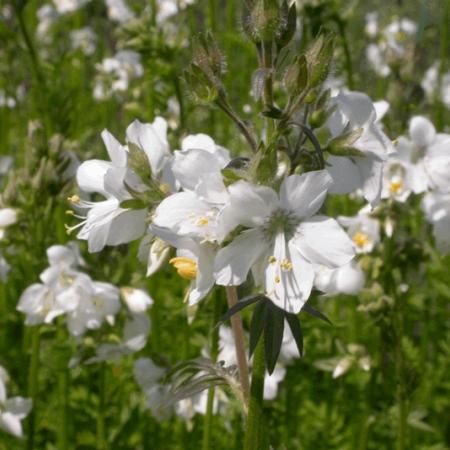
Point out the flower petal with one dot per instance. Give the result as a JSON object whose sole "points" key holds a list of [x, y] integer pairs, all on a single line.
{"points": [[422, 131], [234, 261], [304, 194], [322, 241]]}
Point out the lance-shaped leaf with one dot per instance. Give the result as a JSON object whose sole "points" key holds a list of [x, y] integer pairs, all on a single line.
{"points": [[313, 312], [273, 335], [241, 304], [296, 330], [257, 325], [288, 24]]}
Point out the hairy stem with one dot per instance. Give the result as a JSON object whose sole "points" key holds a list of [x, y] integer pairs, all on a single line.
{"points": [[33, 385], [214, 351], [255, 434], [239, 342]]}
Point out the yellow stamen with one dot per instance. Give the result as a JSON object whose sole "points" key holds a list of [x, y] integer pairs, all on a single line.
{"points": [[286, 265], [186, 267], [69, 212], [202, 221], [395, 187], [164, 188], [74, 199], [277, 279], [360, 239], [272, 259]]}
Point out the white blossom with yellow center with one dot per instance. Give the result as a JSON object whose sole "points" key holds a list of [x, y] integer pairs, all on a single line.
{"points": [[284, 239]]}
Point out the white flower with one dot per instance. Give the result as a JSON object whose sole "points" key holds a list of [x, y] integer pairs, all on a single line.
{"points": [[4, 269], [395, 184], [168, 8], [348, 279], [12, 410], [425, 156], [83, 39], [60, 290], [115, 73], [137, 300], [272, 381], [356, 111], [97, 302], [66, 6], [154, 252], [119, 11], [394, 43], [8, 217], [430, 85], [6, 163], [151, 138], [436, 206], [135, 334], [372, 24], [106, 222], [194, 261], [148, 376], [284, 238], [363, 230]]}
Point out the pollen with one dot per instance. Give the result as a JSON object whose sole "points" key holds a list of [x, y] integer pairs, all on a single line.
{"points": [[361, 239], [202, 221], [186, 267], [164, 188], [286, 265], [69, 212], [395, 187], [277, 279], [74, 199], [272, 259]]}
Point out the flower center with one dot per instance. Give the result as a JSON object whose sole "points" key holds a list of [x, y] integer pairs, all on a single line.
{"points": [[395, 187], [280, 220], [361, 239], [186, 267]]}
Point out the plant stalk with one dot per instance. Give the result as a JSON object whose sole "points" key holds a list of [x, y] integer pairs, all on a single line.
{"points": [[33, 385], [214, 351], [255, 433], [101, 429], [239, 342]]}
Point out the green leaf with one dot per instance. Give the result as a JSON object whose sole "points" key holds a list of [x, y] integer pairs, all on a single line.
{"points": [[296, 330], [313, 312], [273, 113], [241, 304], [133, 203], [257, 325], [273, 335]]}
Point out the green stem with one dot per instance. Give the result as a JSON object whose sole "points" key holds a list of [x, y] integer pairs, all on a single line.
{"points": [[212, 15], [63, 394], [268, 88], [214, 351], [347, 54], [239, 342], [101, 430], [255, 433], [33, 384]]}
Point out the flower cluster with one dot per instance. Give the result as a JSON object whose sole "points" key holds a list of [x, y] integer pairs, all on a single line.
{"points": [[66, 291], [222, 231]]}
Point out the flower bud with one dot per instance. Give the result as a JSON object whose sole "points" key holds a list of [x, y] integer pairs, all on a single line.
{"points": [[319, 58], [207, 55], [288, 24], [296, 76], [262, 21]]}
